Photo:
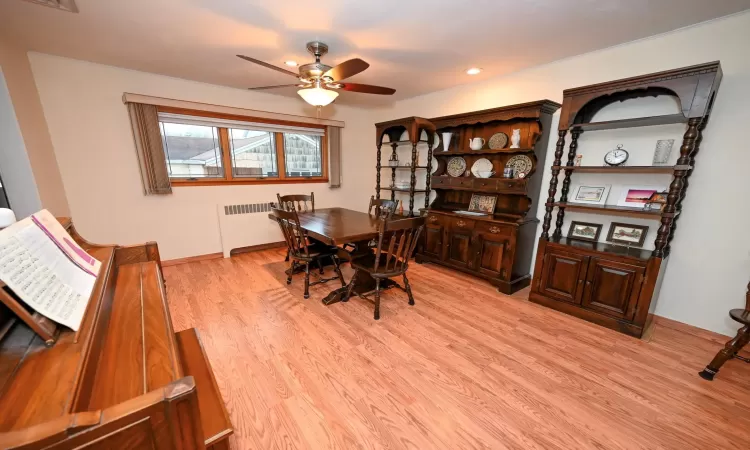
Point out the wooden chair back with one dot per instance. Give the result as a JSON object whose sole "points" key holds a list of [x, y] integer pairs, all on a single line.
{"points": [[400, 236], [382, 207], [294, 235], [297, 202]]}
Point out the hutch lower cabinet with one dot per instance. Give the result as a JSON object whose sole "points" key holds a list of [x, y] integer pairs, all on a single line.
{"points": [[498, 251], [613, 290]]}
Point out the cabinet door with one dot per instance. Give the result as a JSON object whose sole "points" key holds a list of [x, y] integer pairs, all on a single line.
{"points": [[563, 276], [612, 288], [433, 237], [492, 254]]}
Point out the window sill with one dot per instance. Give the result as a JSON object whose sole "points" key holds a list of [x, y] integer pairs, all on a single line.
{"points": [[181, 183]]}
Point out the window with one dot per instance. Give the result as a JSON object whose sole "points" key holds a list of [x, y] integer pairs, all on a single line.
{"points": [[205, 149]]}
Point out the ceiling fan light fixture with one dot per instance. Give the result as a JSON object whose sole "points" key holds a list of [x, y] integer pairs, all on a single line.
{"points": [[318, 96], [474, 71], [291, 63]]}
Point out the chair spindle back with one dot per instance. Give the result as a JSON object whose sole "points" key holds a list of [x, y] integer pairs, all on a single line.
{"points": [[383, 208], [401, 236], [294, 235], [297, 202]]}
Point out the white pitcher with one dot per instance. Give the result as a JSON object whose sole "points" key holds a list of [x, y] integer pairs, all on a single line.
{"points": [[446, 141], [476, 143]]}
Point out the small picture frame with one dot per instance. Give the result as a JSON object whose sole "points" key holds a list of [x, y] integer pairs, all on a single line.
{"points": [[578, 160], [637, 196], [657, 201], [584, 231], [627, 234], [482, 203], [590, 194], [662, 151]]}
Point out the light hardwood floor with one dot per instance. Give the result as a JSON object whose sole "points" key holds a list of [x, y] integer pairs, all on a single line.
{"points": [[466, 367]]}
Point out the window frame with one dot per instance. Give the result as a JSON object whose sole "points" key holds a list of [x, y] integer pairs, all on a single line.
{"points": [[225, 146]]}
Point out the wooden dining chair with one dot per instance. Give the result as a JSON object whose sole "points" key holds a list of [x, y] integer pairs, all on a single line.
{"points": [[400, 236], [382, 206], [732, 348], [303, 252], [297, 202]]}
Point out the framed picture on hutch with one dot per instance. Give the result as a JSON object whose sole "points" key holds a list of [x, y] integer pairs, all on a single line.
{"points": [[638, 196], [591, 194]]}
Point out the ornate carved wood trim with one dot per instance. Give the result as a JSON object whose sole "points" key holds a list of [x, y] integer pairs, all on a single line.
{"points": [[531, 110]]}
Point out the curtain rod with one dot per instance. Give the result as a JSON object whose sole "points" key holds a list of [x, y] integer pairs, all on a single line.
{"points": [[208, 107]]}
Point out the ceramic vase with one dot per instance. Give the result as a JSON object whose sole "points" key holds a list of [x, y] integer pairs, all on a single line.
{"points": [[515, 139], [447, 141]]}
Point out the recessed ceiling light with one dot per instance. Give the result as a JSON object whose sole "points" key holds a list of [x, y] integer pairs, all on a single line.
{"points": [[291, 63], [474, 71]]}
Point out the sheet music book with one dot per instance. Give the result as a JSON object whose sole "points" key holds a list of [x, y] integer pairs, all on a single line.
{"points": [[46, 269]]}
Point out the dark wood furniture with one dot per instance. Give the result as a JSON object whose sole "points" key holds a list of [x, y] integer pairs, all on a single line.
{"points": [[607, 284], [297, 202], [497, 247], [394, 129], [734, 346], [382, 207], [397, 240], [125, 379], [339, 226], [300, 251]]}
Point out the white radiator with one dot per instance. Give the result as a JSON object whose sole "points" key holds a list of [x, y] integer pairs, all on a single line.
{"points": [[246, 225]]}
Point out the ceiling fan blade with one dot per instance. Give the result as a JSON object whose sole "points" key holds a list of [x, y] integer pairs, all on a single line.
{"points": [[347, 69], [274, 87], [367, 88], [270, 66]]}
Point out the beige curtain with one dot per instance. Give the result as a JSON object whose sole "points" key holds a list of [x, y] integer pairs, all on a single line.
{"points": [[148, 145], [334, 156]]}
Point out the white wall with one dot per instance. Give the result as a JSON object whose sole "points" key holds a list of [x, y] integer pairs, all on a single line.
{"points": [[709, 267], [93, 141], [15, 169]]}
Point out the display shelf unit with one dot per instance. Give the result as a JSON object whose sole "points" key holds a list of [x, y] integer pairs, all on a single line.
{"points": [[394, 129], [615, 286], [497, 247]]}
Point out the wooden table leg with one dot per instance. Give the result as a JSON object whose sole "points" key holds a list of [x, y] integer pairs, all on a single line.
{"points": [[364, 282], [728, 352]]}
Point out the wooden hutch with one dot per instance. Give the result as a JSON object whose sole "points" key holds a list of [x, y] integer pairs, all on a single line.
{"points": [[497, 247], [614, 286], [394, 129]]}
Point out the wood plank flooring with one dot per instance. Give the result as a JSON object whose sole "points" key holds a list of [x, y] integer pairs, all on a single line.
{"points": [[466, 367]]}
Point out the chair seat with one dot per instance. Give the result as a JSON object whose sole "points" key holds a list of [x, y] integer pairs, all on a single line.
{"points": [[318, 250], [740, 315], [367, 263]]}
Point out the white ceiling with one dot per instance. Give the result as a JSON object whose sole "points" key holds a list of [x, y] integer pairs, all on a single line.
{"points": [[414, 46]]}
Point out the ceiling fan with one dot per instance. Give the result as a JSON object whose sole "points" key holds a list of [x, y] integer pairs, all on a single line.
{"points": [[319, 82]]}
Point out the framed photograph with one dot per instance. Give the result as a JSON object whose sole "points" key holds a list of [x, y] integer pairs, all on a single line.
{"points": [[627, 234], [637, 196], [657, 201], [482, 203], [584, 231], [662, 151], [590, 194]]}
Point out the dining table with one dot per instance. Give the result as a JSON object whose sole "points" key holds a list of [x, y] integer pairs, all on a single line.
{"points": [[338, 227]]}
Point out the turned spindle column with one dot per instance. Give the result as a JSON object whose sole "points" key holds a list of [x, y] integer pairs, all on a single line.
{"points": [[575, 133], [677, 188], [693, 153], [559, 147], [394, 146], [428, 178], [378, 166], [413, 183]]}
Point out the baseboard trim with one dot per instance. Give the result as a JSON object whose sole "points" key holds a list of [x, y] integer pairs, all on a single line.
{"points": [[189, 259], [256, 248]]}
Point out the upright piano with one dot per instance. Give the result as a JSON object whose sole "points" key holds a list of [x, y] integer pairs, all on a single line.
{"points": [[124, 380]]}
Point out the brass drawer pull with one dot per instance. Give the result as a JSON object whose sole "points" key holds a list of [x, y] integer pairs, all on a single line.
{"points": [[461, 223], [433, 219], [494, 229]]}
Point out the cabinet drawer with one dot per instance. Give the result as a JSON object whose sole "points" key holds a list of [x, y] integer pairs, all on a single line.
{"points": [[515, 185], [439, 181], [462, 182], [485, 183], [499, 229], [435, 220], [459, 223]]}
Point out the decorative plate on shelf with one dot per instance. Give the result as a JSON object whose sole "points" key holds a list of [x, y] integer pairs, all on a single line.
{"points": [[520, 163], [482, 168], [435, 165], [498, 141], [456, 166]]}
